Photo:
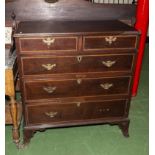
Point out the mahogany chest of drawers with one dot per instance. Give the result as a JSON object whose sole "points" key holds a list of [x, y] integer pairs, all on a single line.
{"points": [[75, 73]]}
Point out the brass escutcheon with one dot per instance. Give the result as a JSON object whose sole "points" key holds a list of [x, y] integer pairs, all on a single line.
{"points": [[78, 104], [79, 58], [79, 81]]}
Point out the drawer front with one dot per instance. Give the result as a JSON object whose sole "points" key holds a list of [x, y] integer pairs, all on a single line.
{"points": [[51, 113], [46, 89], [108, 42], [48, 44], [77, 64]]}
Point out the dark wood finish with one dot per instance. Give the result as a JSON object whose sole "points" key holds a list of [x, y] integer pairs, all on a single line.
{"points": [[41, 44], [46, 89], [59, 113], [76, 87], [124, 126], [101, 42], [67, 10], [35, 29], [28, 134], [77, 64]]}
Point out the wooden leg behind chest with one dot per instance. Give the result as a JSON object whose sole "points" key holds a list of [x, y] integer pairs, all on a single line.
{"points": [[13, 110]]}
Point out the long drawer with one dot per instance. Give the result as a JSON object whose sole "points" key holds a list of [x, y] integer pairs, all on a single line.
{"points": [[44, 44], [76, 64], [47, 89], [51, 113], [109, 42]]}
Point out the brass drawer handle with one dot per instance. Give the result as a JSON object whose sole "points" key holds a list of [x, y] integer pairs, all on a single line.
{"points": [[106, 86], [48, 41], [48, 66], [51, 114], [110, 39], [49, 90], [108, 63]]}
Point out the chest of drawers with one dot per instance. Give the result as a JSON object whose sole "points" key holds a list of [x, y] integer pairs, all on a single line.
{"points": [[75, 73]]}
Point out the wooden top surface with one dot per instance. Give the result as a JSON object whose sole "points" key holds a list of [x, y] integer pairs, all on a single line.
{"points": [[70, 27], [27, 10]]}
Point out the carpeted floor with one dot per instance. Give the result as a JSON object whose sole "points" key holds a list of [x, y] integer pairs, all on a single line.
{"points": [[96, 140]]}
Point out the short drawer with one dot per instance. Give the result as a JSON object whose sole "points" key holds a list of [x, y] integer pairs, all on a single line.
{"points": [[77, 64], [47, 89], [109, 42], [48, 44], [52, 113]]}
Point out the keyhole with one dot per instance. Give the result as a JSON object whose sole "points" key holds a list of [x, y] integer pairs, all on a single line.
{"points": [[79, 58]]}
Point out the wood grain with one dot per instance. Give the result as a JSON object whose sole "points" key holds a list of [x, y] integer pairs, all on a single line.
{"points": [[78, 90], [67, 10]]}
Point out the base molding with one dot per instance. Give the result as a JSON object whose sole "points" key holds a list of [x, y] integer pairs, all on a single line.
{"points": [[122, 124]]}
